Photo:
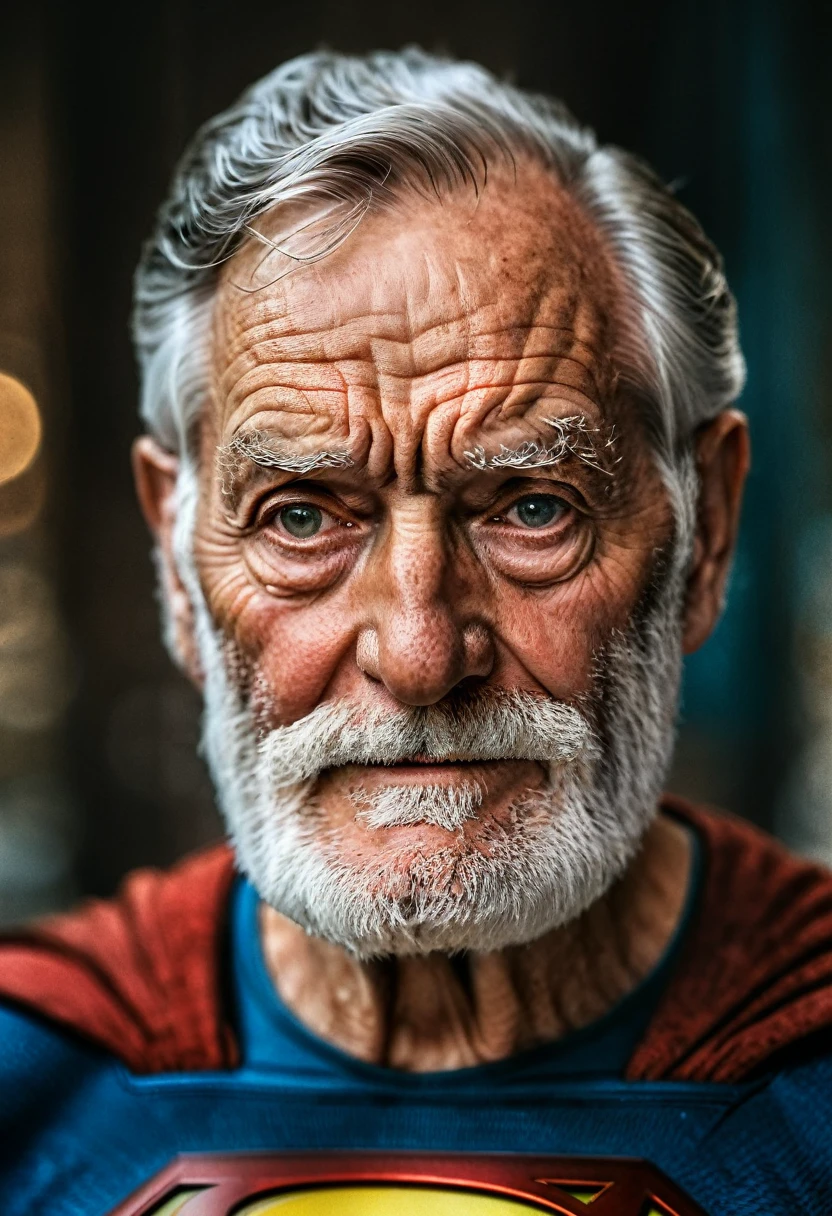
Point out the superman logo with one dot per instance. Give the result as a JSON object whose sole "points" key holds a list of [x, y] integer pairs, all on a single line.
{"points": [[406, 1184]]}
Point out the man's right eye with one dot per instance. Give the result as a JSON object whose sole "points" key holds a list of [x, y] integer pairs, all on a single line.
{"points": [[301, 519]]}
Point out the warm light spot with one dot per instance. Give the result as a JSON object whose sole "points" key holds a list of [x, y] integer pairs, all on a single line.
{"points": [[20, 428], [384, 1201], [28, 619]]}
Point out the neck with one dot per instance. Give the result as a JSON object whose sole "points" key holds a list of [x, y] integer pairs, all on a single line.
{"points": [[434, 1012]]}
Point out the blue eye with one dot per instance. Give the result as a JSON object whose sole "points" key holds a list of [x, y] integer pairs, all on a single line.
{"points": [[538, 510], [301, 519]]}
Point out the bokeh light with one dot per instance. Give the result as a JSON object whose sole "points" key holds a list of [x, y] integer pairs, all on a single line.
{"points": [[35, 675], [20, 428]]}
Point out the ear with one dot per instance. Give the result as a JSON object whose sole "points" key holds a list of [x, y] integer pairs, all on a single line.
{"points": [[155, 471], [722, 461]]}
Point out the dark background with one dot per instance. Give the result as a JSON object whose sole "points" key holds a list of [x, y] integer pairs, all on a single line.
{"points": [[732, 101]]}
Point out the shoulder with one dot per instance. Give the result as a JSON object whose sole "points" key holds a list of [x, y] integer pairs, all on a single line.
{"points": [[30, 1049], [39, 1064], [755, 975], [44, 1073], [138, 975], [770, 1148], [75, 1130]]}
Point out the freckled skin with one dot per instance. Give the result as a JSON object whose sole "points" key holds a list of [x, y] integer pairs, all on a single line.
{"points": [[442, 326]]}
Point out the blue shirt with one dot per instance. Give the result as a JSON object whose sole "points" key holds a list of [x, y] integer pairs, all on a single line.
{"points": [[79, 1133]]}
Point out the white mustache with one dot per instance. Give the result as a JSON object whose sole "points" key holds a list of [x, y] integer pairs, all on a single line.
{"points": [[493, 724]]}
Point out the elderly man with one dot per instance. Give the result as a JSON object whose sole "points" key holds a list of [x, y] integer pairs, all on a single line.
{"points": [[444, 480]]}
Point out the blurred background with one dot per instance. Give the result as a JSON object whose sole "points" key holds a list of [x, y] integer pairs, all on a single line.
{"points": [[731, 100]]}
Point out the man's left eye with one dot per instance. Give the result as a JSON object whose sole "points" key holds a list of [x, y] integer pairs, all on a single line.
{"points": [[536, 510]]}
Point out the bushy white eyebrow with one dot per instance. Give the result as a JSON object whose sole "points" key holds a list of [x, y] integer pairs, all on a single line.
{"points": [[574, 438], [261, 449]]}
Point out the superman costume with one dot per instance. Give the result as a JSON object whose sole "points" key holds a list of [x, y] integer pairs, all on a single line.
{"points": [[147, 1065]]}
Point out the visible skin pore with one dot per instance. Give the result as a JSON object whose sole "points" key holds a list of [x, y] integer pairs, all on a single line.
{"points": [[439, 328]]}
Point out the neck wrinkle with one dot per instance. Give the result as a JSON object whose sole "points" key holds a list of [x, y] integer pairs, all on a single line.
{"points": [[422, 1014]]}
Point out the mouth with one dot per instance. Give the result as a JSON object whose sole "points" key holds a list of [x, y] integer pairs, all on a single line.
{"points": [[421, 769]]}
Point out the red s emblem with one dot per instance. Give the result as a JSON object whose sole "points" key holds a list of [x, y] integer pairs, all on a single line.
{"points": [[406, 1184]]}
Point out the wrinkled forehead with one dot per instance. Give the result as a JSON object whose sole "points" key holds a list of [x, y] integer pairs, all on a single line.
{"points": [[480, 313]]}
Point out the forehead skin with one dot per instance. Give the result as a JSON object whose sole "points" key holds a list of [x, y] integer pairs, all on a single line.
{"points": [[439, 325]]}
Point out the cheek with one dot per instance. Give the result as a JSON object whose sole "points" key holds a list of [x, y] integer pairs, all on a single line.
{"points": [[301, 648], [555, 635], [552, 646], [291, 649]]}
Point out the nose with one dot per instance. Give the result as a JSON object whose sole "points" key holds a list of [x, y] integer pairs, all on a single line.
{"points": [[423, 634]]}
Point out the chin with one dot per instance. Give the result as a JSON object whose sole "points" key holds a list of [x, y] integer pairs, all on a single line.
{"points": [[416, 890]]}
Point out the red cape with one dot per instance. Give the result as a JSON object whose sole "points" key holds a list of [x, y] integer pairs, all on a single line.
{"points": [[140, 975]]}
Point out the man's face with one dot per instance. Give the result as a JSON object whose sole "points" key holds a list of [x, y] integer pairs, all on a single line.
{"points": [[418, 486]]}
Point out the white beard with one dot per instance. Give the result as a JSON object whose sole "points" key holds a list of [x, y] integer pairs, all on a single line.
{"points": [[443, 806], [566, 842]]}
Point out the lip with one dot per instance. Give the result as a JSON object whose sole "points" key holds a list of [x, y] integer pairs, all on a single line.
{"points": [[423, 759], [418, 770]]}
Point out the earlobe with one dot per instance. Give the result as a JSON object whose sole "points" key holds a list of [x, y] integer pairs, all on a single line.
{"points": [[155, 471], [722, 461]]}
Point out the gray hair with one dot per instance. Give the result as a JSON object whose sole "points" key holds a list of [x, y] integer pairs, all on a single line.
{"points": [[344, 133]]}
